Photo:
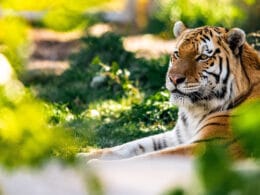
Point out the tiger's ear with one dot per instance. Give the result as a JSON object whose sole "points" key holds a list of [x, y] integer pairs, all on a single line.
{"points": [[178, 28], [236, 38]]}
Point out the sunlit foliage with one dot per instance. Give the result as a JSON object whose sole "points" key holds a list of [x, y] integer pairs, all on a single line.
{"points": [[60, 15], [31, 5], [247, 126], [26, 138], [14, 41], [226, 13]]}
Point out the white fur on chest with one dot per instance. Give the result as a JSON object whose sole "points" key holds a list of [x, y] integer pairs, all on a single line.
{"points": [[189, 121]]}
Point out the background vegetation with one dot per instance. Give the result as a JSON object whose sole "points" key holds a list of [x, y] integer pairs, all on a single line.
{"points": [[108, 95]]}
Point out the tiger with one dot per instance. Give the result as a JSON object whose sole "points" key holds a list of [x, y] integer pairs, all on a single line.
{"points": [[212, 71]]}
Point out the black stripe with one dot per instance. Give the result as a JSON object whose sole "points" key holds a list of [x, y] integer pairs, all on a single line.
{"points": [[211, 124], [195, 96], [224, 47], [216, 51], [210, 33], [141, 148], [203, 117], [219, 42], [164, 143], [209, 51], [217, 109], [219, 116], [154, 144], [203, 40], [221, 94], [240, 99], [220, 66], [206, 37], [209, 140], [216, 29], [217, 76], [178, 136], [228, 72], [213, 74], [184, 119], [159, 145], [231, 90]]}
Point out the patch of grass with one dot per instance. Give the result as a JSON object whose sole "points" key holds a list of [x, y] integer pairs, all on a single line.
{"points": [[153, 115], [109, 123], [108, 96]]}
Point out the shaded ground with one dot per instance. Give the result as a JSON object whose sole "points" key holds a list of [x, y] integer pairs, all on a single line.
{"points": [[51, 50]]}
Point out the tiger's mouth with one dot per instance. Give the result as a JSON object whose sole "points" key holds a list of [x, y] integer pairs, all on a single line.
{"points": [[178, 92], [193, 95], [186, 90]]}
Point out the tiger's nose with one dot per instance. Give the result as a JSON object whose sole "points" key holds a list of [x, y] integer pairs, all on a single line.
{"points": [[177, 79]]}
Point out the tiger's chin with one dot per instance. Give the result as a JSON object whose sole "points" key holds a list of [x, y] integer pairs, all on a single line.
{"points": [[180, 99], [187, 99]]}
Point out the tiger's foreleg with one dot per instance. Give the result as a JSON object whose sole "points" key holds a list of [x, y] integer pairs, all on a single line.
{"points": [[134, 148]]}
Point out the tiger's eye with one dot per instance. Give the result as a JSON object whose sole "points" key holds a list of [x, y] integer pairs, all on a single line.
{"points": [[203, 57]]}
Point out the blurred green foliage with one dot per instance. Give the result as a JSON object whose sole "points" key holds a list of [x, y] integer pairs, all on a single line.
{"points": [[220, 175], [59, 15], [26, 138], [31, 5], [14, 41], [226, 13], [247, 124], [64, 20]]}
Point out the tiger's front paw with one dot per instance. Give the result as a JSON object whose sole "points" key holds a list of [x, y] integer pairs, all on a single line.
{"points": [[102, 154], [85, 157]]}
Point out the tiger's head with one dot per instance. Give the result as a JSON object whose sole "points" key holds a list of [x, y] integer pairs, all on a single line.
{"points": [[203, 66]]}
